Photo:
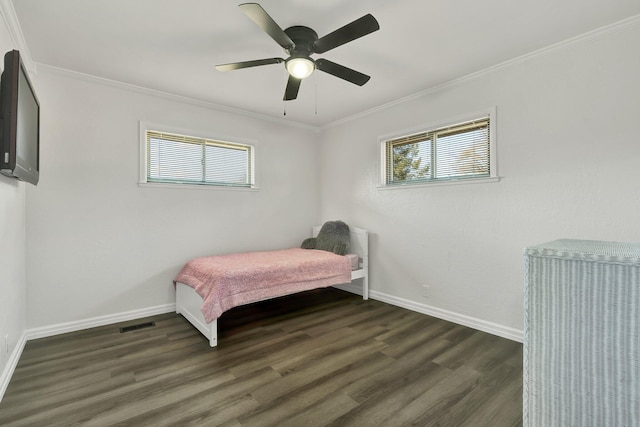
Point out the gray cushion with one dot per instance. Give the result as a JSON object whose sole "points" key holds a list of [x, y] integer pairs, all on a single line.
{"points": [[333, 237]]}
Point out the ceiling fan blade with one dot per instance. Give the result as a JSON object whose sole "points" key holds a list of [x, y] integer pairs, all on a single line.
{"points": [[247, 64], [342, 72], [354, 30], [268, 25], [291, 92]]}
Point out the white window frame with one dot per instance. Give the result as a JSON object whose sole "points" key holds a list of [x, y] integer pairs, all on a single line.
{"points": [[493, 166], [143, 182]]}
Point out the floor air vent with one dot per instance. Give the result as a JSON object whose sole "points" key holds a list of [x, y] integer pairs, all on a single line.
{"points": [[136, 327]]}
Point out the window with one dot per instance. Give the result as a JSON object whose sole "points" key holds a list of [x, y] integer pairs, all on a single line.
{"points": [[179, 159], [461, 151]]}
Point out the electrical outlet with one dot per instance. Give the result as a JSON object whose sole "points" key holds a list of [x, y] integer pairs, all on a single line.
{"points": [[6, 345], [426, 291]]}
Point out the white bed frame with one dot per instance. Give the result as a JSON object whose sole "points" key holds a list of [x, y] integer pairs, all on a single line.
{"points": [[188, 302]]}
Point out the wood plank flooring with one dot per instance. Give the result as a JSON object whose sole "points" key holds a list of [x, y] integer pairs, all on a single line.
{"points": [[321, 358]]}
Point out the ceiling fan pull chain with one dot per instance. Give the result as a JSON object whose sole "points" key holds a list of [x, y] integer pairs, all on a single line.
{"points": [[284, 102], [316, 84]]}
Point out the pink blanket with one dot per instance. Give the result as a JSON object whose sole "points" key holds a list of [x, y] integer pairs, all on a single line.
{"points": [[227, 281]]}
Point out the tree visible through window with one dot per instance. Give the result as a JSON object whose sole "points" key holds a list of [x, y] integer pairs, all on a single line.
{"points": [[411, 161], [453, 152]]}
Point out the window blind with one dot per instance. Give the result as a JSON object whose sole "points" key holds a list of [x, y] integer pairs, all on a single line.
{"points": [[452, 152], [183, 159]]}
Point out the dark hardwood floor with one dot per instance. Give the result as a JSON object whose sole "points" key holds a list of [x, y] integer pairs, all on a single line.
{"points": [[324, 357]]}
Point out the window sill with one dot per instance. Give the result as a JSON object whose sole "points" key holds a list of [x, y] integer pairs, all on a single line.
{"points": [[196, 187], [439, 183]]}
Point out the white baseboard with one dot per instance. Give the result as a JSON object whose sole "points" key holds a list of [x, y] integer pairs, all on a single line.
{"points": [[461, 319], [10, 367], [62, 328]]}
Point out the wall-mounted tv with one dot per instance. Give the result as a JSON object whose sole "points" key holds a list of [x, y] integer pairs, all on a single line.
{"points": [[19, 122]]}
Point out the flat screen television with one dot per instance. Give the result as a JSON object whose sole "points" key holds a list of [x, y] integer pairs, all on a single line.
{"points": [[19, 122]]}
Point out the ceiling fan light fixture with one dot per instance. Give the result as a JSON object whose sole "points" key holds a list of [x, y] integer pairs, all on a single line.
{"points": [[300, 67]]}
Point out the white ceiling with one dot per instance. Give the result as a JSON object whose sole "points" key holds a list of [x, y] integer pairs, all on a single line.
{"points": [[173, 45]]}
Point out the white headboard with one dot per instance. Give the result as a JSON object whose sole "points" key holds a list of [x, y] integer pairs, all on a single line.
{"points": [[360, 246], [359, 240]]}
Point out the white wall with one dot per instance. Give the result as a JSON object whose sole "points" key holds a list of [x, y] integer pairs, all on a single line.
{"points": [[98, 244], [569, 158], [12, 268], [12, 254]]}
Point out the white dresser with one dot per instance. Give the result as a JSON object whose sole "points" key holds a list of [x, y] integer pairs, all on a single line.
{"points": [[582, 334]]}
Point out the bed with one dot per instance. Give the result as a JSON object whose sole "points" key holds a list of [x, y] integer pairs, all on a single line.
{"points": [[202, 306]]}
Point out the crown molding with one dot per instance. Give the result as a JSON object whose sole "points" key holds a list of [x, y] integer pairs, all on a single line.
{"points": [[623, 25], [169, 96], [15, 32]]}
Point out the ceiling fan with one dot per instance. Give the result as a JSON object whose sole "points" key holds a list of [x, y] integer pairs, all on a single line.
{"points": [[300, 43]]}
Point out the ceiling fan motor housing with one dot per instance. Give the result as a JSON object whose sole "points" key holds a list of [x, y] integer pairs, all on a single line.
{"points": [[303, 39]]}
